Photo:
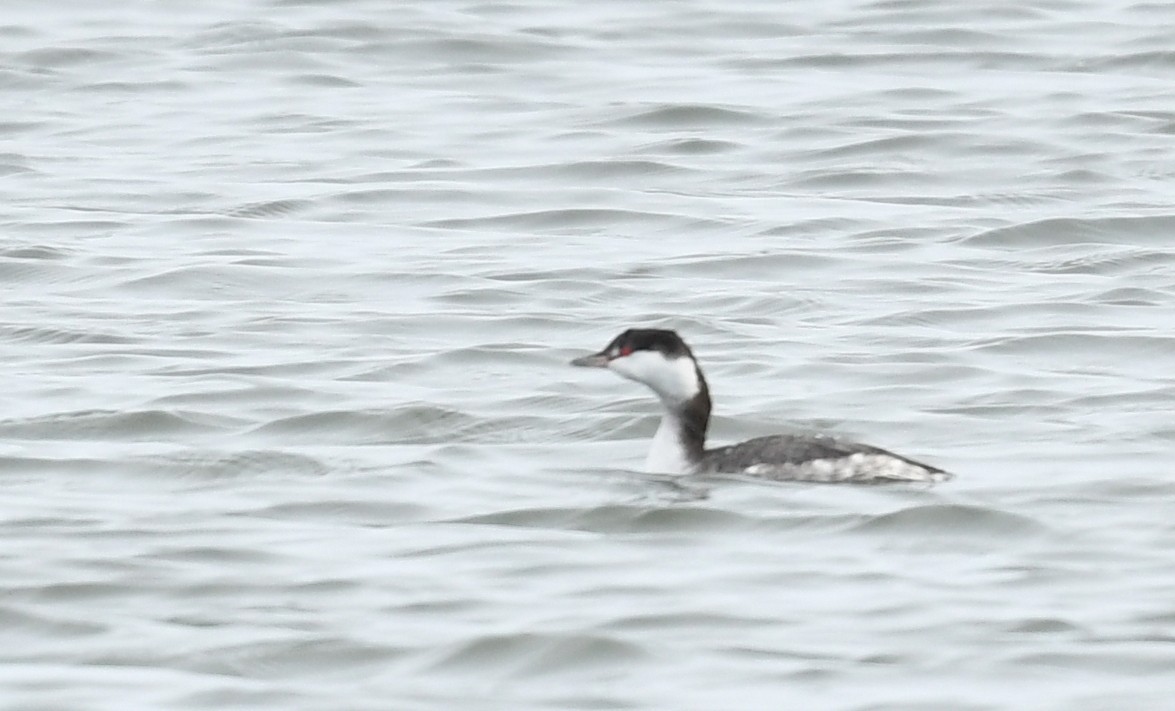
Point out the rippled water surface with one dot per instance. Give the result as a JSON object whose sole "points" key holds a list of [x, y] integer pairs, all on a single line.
{"points": [[289, 294]]}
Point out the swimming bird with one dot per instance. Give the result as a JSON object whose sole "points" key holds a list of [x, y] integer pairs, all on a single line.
{"points": [[660, 360]]}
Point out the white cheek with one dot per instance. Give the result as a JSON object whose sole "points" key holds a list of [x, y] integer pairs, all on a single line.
{"points": [[675, 379], [641, 366]]}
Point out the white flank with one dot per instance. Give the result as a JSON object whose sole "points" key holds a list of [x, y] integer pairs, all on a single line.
{"points": [[856, 468]]}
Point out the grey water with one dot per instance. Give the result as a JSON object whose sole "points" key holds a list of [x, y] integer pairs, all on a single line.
{"points": [[290, 288]]}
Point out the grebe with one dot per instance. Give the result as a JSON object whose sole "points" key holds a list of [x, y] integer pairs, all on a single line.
{"points": [[659, 359]]}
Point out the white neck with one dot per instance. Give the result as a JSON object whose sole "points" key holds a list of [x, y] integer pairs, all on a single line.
{"points": [[668, 454], [680, 439]]}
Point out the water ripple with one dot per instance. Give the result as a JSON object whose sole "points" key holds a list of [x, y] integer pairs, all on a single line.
{"points": [[110, 424], [952, 519], [290, 298]]}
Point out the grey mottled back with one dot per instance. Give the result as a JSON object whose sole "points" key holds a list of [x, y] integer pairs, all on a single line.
{"points": [[816, 458]]}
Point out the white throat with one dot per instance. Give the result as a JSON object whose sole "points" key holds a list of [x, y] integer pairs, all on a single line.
{"points": [[667, 455], [676, 382]]}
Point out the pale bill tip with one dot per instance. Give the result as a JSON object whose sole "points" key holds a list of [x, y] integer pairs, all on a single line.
{"points": [[596, 360]]}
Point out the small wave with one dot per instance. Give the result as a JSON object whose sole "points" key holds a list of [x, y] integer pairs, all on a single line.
{"points": [[1057, 342], [616, 168], [28, 622], [409, 424], [580, 218], [1157, 60], [1062, 231], [531, 653], [310, 655], [692, 147], [1104, 261], [34, 252], [55, 57], [108, 424], [330, 81], [955, 519], [363, 512], [271, 208], [618, 519], [692, 115], [39, 334], [11, 164], [218, 465]]}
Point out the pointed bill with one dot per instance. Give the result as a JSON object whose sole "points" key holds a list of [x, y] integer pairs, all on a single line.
{"points": [[596, 360]]}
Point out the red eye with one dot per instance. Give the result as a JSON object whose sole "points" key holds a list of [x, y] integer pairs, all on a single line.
{"points": [[626, 350]]}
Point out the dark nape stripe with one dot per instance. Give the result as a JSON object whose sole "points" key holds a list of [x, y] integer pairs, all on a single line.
{"points": [[695, 419]]}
